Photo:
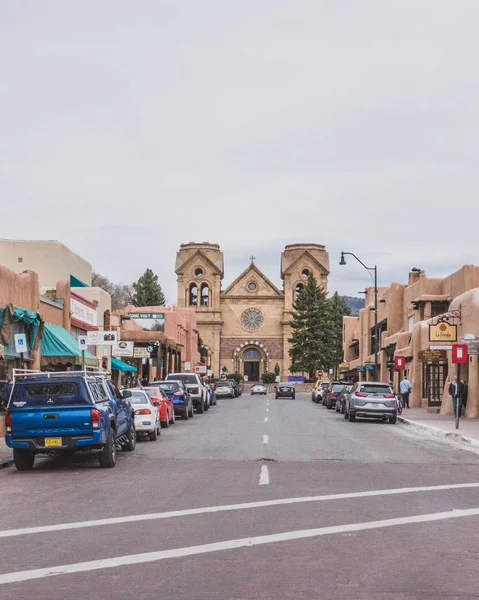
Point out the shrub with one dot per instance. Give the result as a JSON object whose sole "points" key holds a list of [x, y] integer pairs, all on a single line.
{"points": [[237, 377], [268, 377]]}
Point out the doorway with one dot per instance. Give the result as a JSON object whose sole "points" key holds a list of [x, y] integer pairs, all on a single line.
{"points": [[251, 370]]}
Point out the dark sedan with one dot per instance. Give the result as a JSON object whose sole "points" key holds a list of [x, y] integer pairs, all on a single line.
{"points": [[285, 390], [343, 398], [179, 396], [331, 394]]}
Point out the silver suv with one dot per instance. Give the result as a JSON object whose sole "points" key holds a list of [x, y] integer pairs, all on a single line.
{"points": [[371, 399]]}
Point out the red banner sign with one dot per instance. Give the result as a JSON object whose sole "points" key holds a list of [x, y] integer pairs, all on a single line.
{"points": [[459, 353], [399, 363]]}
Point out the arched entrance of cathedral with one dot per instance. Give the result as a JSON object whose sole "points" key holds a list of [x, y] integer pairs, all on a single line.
{"points": [[252, 361]]}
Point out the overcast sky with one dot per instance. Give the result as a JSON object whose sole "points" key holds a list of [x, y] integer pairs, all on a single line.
{"points": [[128, 127]]}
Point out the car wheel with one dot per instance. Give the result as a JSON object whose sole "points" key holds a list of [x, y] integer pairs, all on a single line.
{"points": [[293, 396], [345, 413], [207, 406], [393, 420], [351, 417], [186, 414], [276, 396], [23, 459], [130, 445], [153, 435], [173, 419], [107, 456], [200, 408], [336, 408], [191, 412], [165, 424]]}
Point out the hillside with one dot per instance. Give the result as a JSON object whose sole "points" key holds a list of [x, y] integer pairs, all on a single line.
{"points": [[355, 304]]}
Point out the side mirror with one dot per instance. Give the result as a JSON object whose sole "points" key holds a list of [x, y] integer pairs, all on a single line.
{"points": [[126, 393], [156, 403]]}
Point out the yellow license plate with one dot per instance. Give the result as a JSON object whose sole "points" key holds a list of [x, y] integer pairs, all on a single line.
{"points": [[53, 442]]}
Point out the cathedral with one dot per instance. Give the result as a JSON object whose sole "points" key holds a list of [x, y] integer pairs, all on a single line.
{"points": [[245, 327]]}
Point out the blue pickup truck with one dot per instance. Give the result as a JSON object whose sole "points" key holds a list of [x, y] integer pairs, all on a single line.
{"points": [[67, 412]]}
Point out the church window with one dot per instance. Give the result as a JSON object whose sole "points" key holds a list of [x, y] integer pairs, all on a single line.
{"points": [[199, 272], [252, 354], [305, 273], [252, 286], [205, 294], [299, 288], [251, 319], [193, 294]]}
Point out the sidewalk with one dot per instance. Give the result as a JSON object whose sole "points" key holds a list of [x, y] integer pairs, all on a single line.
{"points": [[6, 458], [443, 426]]}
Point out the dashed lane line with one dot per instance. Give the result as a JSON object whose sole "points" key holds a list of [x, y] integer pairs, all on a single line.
{"points": [[231, 507], [265, 439], [266, 419], [264, 475], [249, 542]]}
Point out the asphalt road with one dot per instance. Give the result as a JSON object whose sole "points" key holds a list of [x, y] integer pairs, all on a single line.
{"points": [[257, 499]]}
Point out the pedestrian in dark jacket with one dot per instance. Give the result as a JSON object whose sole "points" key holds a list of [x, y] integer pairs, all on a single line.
{"points": [[457, 390]]}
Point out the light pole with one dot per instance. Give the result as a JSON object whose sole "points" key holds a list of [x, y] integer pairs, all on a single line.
{"points": [[376, 340]]}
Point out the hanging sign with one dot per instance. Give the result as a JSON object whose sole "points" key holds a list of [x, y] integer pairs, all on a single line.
{"points": [[99, 338], [459, 353], [149, 321], [399, 363], [443, 332], [122, 349], [140, 353], [432, 355]]}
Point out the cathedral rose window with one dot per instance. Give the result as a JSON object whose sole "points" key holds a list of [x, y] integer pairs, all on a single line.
{"points": [[251, 319]]}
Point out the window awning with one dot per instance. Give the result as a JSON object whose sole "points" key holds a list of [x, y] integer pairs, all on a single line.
{"points": [[119, 365], [57, 345]]}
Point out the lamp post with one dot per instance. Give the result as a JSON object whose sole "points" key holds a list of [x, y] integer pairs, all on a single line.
{"points": [[342, 262]]}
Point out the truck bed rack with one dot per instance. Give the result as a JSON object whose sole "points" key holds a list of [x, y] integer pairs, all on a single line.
{"points": [[87, 372]]}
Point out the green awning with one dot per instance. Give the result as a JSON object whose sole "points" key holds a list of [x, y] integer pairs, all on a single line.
{"points": [[14, 314], [119, 365], [58, 344], [75, 282]]}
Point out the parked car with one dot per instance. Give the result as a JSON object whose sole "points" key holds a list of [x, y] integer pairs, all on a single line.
{"points": [[285, 389], [196, 389], [212, 395], [318, 391], [180, 397], [371, 399], [147, 416], [259, 388], [236, 386], [165, 406], [225, 389], [342, 398], [63, 412], [331, 394]]}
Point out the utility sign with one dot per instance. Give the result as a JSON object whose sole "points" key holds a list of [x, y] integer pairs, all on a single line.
{"points": [[459, 353], [20, 343]]}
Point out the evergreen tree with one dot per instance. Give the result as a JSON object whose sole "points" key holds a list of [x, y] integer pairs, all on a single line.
{"points": [[339, 309], [148, 291], [312, 341]]}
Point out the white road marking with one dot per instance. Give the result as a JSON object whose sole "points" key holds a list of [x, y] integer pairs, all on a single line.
{"points": [[267, 410], [230, 507], [264, 475], [249, 542], [266, 419], [265, 439]]}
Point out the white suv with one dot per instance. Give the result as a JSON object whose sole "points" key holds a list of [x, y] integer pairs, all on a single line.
{"points": [[194, 385]]}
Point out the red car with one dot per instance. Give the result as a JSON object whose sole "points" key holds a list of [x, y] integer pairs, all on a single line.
{"points": [[165, 405]]}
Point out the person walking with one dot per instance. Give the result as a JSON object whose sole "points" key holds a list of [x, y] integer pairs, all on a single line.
{"points": [[457, 391], [405, 388]]}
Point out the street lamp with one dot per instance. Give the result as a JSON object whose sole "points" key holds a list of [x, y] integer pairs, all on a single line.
{"points": [[342, 262]]}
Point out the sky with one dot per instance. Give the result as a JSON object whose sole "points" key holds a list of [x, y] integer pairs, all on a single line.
{"points": [[128, 128]]}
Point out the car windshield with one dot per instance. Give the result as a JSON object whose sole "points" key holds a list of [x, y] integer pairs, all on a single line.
{"points": [[324, 385], [286, 384], [337, 388], [375, 389], [186, 378], [138, 398], [49, 393]]}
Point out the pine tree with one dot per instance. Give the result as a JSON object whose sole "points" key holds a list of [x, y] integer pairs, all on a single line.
{"points": [[148, 291], [339, 309], [312, 341]]}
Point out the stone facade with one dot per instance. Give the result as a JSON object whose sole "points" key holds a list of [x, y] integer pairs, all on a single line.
{"points": [[245, 327]]}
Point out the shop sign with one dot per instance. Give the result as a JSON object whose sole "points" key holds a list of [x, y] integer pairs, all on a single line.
{"points": [[99, 338], [399, 363], [432, 355], [369, 367], [360, 369], [82, 312], [443, 332], [441, 347], [187, 366], [122, 349], [200, 369], [149, 321], [140, 353], [472, 342]]}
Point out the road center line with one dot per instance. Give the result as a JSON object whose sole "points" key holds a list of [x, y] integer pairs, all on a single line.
{"points": [[266, 419], [267, 410], [135, 559], [264, 475], [230, 507], [265, 439]]}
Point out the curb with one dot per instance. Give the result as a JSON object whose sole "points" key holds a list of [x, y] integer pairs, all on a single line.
{"points": [[448, 436]]}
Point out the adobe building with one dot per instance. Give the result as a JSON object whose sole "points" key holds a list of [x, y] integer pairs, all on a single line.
{"points": [[245, 327], [405, 313]]}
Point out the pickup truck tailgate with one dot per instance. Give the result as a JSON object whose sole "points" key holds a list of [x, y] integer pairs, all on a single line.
{"points": [[58, 420]]}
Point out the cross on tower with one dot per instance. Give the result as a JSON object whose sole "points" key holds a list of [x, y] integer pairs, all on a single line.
{"points": [[252, 258]]}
